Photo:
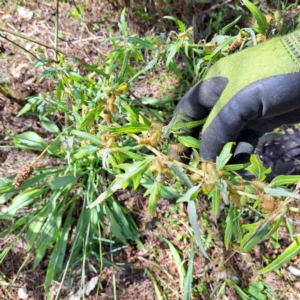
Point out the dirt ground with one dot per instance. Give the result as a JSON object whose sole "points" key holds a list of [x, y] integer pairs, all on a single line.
{"points": [[16, 72]]}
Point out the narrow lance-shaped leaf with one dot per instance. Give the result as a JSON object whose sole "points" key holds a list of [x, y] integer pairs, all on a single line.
{"points": [[180, 24], [235, 221], [189, 276], [215, 196], [224, 156], [30, 140], [228, 26], [228, 232], [47, 236], [259, 17], [260, 232], [178, 262], [189, 141], [20, 201], [189, 196], [257, 167], [124, 66], [154, 192], [58, 254], [284, 180], [133, 173], [286, 256]]}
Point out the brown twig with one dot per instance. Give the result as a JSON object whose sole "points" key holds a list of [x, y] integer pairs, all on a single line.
{"points": [[33, 41]]}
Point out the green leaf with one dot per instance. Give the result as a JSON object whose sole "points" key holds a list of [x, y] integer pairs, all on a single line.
{"points": [[190, 195], [19, 223], [284, 180], [280, 192], [257, 168], [23, 199], [88, 136], [174, 48], [235, 222], [47, 236], [177, 127], [154, 192], [5, 185], [123, 24], [290, 227], [143, 42], [189, 276], [286, 256], [127, 224], [259, 17], [134, 127], [58, 254], [180, 24], [261, 231], [255, 290], [225, 43], [222, 184], [240, 292], [133, 173], [228, 26], [166, 192], [148, 67], [228, 232], [128, 152], [30, 141], [215, 196], [35, 227], [116, 228], [192, 213], [191, 208], [124, 67], [85, 151], [178, 262], [61, 182], [90, 118], [189, 141], [49, 125], [156, 286], [224, 156]]}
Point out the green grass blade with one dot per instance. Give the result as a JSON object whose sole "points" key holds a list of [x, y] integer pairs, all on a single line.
{"points": [[178, 262], [18, 223], [241, 293], [87, 136], [48, 234], [259, 17], [35, 226], [284, 180], [30, 141], [24, 199], [57, 257], [228, 26], [193, 220], [286, 256], [259, 233], [228, 232], [236, 224], [155, 284], [189, 276], [224, 156], [124, 66]]}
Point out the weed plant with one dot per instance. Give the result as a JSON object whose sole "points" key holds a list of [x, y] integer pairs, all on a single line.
{"points": [[109, 139]]}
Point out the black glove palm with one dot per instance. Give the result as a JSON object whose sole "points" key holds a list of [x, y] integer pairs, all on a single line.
{"points": [[246, 95]]}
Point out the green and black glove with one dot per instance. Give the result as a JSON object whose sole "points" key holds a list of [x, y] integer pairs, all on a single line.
{"points": [[244, 96]]}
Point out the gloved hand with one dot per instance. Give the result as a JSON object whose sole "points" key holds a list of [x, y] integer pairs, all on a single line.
{"points": [[244, 96]]}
